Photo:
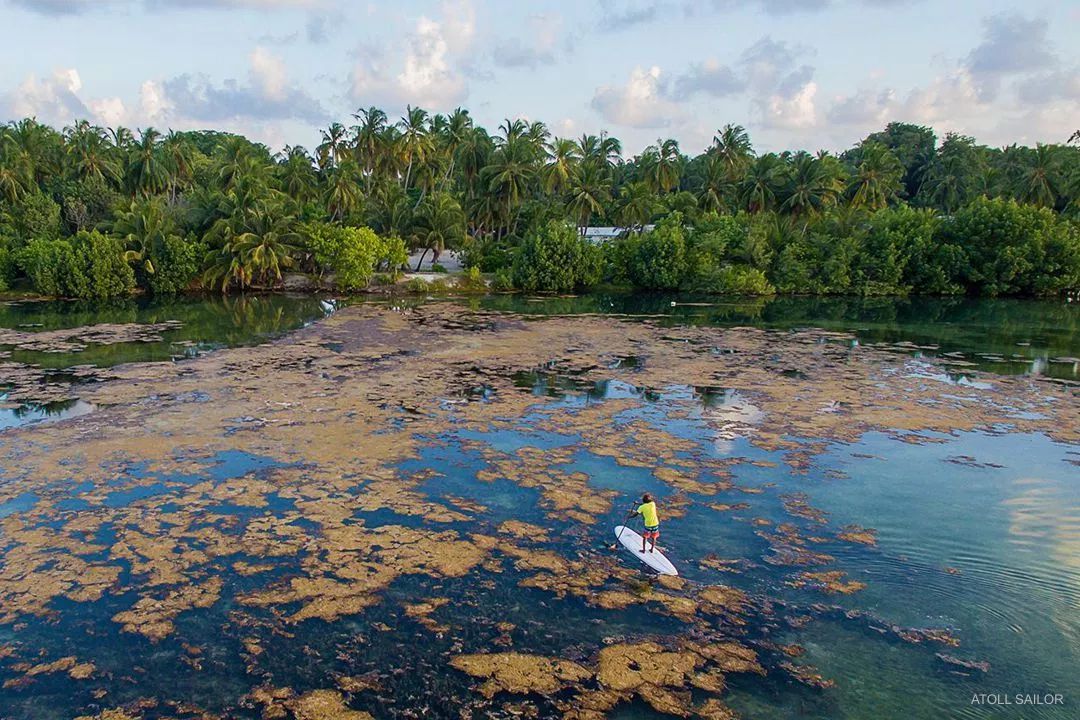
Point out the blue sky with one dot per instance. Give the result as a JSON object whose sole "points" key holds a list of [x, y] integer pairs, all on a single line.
{"points": [[797, 73]]}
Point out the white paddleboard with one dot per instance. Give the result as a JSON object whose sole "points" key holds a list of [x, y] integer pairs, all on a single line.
{"points": [[655, 559]]}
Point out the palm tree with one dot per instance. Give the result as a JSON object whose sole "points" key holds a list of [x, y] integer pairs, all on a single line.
{"points": [[147, 173], [296, 173], [732, 147], [42, 147], [834, 178], [440, 223], [602, 150], [590, 188], [472, 157], [458, 128], [662, 165], [562, 159], [89, 153], [269, 246], [1040, 177], [637, 205], [718, 185], [956, 175], [368, 137], [610, 150], [16, 170], [343, 196], [179, 162], [484, 212], [251, 247], [509, 173], [413, 143], [762, 182], [122, 137], [331, 149], [230, 158], [810, 186], [144, 227], [878, 178]]}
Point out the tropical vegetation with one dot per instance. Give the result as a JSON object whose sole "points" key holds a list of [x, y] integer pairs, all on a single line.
{"points": [[88, 211]]}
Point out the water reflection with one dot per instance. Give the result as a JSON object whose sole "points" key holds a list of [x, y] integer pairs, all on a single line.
{"points": [[1004, 336], [39, 412]]}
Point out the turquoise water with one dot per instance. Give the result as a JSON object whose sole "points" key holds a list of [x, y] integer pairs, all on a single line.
{"points": [[978, 534]]}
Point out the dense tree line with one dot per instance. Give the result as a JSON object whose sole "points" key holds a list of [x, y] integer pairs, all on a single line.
{"points": [[95, 212]]}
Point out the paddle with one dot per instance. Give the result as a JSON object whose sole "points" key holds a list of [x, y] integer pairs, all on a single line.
{"points": [[618, 537]]}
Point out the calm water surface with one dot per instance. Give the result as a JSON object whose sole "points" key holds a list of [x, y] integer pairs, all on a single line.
{"points": [[989, 548]]}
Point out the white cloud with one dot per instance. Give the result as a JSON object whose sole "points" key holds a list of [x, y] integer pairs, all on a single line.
{"points": [[539, 47], [1011, 44], [153, 102], [77, 7], [53, 99], [945, 101], [258, 108], [268, 73], [108, 111], [866, 108], [429, 74], [639, 103], [459, 25], [709, 78], [792, 112], [1058, 84]]}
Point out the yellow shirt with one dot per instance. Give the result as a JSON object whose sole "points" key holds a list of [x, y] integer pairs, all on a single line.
{"points": [[648, 511]]}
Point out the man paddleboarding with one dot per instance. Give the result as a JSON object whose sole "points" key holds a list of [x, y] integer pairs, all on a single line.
{"points": [[647, 511]]}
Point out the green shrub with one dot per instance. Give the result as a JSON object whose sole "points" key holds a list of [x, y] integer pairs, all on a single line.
{"points": [[487, 254], [418, 285], [353, 254], [438, 268], [392, 255], [503, 280], [108, 273], [709, 244], [7, 264], [891, 241], [658, 258], [88, 266], [45, 263], [35, 215], [86, 203], [556, 258], [737, 280], [1013, 249], [176, 265], [812, 258], [472, 281]]}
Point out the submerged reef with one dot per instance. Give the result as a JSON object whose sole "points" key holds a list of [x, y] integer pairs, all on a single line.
{"points": [[395, 506]]}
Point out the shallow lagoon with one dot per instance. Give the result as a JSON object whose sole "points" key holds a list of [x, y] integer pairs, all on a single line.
{"points": [[977, 535]]}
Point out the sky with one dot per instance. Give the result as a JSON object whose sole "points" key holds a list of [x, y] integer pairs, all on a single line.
{"points": [[798, 74]]}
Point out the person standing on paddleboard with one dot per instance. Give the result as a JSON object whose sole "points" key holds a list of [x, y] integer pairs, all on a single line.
{"points": [[647, 511]]}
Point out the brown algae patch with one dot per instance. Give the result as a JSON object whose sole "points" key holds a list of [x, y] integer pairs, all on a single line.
{"points": [[520, 673], [830, 581], [662, 677], [293, 542], [357, 562], [69, 665]]}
